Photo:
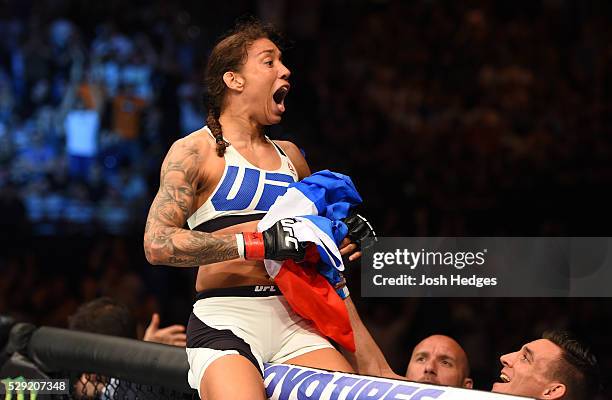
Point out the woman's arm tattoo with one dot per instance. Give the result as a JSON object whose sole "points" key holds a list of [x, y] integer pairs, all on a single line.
{"points": [[165, 240]]}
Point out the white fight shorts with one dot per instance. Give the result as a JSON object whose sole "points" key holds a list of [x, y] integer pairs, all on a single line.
{"points": [[253, 321]]}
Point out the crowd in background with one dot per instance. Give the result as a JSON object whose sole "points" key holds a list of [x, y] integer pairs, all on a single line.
{"points": [[452, 118]]}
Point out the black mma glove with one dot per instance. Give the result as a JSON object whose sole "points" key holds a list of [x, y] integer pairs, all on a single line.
{"points": [[275, 243], [360, 229]]}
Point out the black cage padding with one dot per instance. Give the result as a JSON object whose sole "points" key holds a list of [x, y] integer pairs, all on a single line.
{"points": [[55, 350]]}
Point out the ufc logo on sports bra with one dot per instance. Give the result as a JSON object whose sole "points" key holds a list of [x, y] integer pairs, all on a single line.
{"points": [[227, 198]]}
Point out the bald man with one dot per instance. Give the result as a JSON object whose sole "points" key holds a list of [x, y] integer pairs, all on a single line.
{"points": [[440, 360]]}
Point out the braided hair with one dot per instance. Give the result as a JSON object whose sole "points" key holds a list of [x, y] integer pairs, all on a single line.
{"points": [[212, 120], [229, 54]]}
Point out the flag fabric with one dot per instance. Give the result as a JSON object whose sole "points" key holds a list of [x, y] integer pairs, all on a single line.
{"points": [[318, 203]]}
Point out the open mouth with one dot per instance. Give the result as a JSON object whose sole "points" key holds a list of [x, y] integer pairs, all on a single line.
{"points": [[280, 94], [279, 97], [504, 378]]}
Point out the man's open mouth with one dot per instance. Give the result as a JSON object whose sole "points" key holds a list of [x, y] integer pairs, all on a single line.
{"points": [[504, 378]]}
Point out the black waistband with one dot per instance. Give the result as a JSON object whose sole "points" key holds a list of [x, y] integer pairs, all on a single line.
{"points": [[240, 291]]}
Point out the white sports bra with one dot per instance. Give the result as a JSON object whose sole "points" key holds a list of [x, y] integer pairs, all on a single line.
{"points": [[244, 193]]}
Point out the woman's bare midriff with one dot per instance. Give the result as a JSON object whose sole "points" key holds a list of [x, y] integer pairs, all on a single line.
{"points": [[235, 272]]}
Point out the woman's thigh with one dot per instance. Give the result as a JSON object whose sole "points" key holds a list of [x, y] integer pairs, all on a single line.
{"points": [[232, 377], [327, 358]]}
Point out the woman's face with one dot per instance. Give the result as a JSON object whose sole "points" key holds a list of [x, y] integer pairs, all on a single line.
{"points": [[266, 82]]}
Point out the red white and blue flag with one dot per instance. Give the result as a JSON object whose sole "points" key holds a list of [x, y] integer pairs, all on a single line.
{"points": [[318, 203]]}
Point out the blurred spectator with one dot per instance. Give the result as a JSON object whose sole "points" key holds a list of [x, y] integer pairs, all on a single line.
{"points": [[127, 112], [440, 360], [109, 317], [82, 126], [104, 316]]}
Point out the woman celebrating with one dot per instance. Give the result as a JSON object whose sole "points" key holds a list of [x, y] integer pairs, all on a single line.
{"points": [[221, 180]]}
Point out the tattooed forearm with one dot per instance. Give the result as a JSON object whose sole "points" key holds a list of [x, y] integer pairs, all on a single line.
{"points": [[184, 248], [165, 241]]}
